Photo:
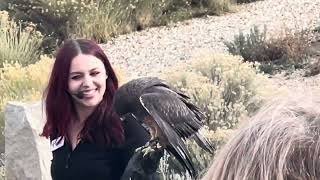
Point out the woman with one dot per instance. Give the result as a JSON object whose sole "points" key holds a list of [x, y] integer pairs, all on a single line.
{"points": [[281, 142], [88, 140]]}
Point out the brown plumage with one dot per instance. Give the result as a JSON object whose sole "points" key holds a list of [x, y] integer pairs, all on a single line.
{"points": [[168, 114]]}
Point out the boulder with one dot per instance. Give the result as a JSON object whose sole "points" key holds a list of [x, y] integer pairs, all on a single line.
{"points": [[27, 154]]}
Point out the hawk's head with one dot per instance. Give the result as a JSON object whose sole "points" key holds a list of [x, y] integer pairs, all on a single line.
{"points": [[120, 108]]}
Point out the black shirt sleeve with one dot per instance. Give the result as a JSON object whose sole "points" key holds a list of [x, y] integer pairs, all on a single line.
{"points": [[138, 166], [135, 134]]}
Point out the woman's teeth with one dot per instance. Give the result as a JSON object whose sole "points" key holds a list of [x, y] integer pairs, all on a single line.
{"points": [[88, 93]]}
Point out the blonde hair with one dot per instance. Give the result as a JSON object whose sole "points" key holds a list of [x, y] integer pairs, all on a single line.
{"points": [[281, 142]]}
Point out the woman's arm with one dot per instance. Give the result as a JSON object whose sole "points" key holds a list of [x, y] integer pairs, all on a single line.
{"points": [[143, 166], [139, 166]]}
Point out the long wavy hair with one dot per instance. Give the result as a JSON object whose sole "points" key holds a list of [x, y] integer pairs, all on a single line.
{"points": [[281, 142], [103, 125]]}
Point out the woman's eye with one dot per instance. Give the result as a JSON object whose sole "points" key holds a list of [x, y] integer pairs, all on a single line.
{"points": [[75, 77], [95, 73]]}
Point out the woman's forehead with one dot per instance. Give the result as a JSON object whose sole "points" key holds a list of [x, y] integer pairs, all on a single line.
{"points": [[86, 62]]}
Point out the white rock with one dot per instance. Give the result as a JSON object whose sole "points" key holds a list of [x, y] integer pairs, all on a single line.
{"points": [[27, 153]]}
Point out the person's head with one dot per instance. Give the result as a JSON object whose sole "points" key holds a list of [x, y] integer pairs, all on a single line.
{"points": [[87, 81], [281, 142], [82, 79]]}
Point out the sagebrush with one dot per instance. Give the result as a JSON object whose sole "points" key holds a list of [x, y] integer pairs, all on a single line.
{"points": [[287, 50], [21, 45], [226, 90], [103, 19]]}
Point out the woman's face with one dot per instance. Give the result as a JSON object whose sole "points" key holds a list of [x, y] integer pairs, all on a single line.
{"points": [[87, 80]]}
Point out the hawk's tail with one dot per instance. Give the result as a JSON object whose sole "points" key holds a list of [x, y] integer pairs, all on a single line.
{"points": [[184, 159], [203, 143]]}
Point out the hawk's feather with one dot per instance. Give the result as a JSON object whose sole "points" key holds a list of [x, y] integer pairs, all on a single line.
{"points": [[174, 116]]}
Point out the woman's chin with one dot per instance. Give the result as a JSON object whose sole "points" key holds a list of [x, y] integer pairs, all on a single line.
{"points": [[89, 102]]}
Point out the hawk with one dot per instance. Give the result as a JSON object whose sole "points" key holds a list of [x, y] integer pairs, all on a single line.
{"points": [[166, 113]]}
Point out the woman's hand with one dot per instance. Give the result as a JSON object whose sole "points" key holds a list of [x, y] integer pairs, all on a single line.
{"points": [[144, 163]]}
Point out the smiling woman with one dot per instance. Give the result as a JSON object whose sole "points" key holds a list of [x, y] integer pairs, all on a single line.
{"points": [[88, 79], [88, 140]]}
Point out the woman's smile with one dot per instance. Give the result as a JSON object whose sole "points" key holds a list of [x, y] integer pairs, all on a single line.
{"points": [[89, 93], [87, 80]]}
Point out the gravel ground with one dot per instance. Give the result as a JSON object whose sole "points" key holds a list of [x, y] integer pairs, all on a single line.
{"points": [[150, 51]]}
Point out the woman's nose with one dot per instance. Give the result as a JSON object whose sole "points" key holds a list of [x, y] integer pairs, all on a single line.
{"points": [[87, 81]]}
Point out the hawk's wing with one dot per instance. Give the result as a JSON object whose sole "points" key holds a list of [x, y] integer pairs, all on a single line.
{"points": [[171, 117], [173, 108]]}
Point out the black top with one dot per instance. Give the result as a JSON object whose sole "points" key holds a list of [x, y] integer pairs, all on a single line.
{"points": [[90, 161]]}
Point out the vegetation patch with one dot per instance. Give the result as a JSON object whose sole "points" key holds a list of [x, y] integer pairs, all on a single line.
{"points": [[287, 51], [227, 90]]}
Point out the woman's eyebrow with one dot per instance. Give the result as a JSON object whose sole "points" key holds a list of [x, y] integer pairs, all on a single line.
{"points": [[80, 72], [75, 72], [93, 69]]}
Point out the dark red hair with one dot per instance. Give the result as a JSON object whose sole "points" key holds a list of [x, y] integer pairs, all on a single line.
{"points": [[103, 125]]}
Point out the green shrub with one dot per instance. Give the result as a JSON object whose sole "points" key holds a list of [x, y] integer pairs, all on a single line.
{"points": [[179, 10], [98, 23], [17, 44], [54, 18], [218, 7], [250, 46], [288, 50], [110, 18], [172, 169], [226, 90], [203, 159], [103, 19], [313, 68]]}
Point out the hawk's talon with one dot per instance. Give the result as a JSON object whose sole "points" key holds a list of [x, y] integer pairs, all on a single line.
{"points": [[158, 145], [150, 147], [147, 151], [153, 142], [142, 147]]}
